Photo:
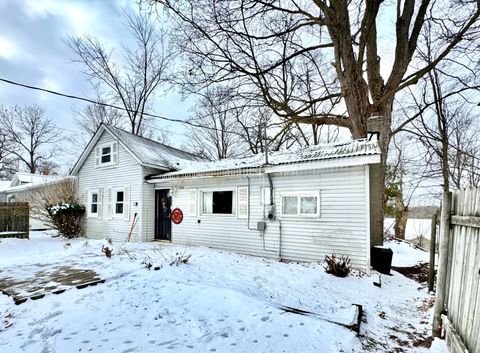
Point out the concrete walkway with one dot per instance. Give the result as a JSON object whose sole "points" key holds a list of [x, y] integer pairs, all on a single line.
{"points": [[37, 280]]}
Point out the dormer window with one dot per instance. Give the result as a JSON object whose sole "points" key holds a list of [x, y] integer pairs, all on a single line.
{"points": [[106, 154]]}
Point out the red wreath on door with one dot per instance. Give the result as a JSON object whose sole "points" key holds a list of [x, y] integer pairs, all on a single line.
{"points": [[176, 216]]}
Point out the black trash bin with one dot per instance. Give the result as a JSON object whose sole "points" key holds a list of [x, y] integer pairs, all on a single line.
{"points": [[381, 259]]}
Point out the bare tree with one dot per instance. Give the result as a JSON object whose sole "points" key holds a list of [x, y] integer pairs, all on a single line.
{"points": [[30, 134], [134, 81], [281, 50], [443, 118], [90, 118], [8, 162], [402, 179], [217, 140], [448, 133]]}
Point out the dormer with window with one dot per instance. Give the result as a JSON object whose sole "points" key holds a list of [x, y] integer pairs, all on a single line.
{"points": [[106, 154]]}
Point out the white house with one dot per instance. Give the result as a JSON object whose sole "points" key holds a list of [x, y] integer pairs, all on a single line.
{"points": [[301, 205], [111, 175]]}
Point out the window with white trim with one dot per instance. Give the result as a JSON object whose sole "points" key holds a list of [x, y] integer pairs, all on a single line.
{"points": [[93, 203], [219, 202], [106, 154], [119, 204], [301, 204]]}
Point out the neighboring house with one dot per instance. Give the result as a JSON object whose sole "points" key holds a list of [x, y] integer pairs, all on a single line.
{"points": [[301, 206], [24, 184], [26, 187]]}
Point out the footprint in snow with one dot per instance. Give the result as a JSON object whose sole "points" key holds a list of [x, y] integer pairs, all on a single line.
{"points": [[129, 350]]}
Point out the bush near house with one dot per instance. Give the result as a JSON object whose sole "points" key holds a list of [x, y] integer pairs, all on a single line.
{"points": [[67, 218]]}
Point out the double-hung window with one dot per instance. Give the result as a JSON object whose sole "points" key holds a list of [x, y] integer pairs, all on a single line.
{"points": [[93, 203], [106, 156], [301, 204], [119, 202]]}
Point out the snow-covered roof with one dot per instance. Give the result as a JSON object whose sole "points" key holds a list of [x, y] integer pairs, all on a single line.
{"points": [[354, 148], [28, 178], [31, 181], [153, 153], [147, 152], [4, 184]]}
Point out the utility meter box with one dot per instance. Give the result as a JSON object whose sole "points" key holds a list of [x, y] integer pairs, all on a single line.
{"points": [[270, 211]]}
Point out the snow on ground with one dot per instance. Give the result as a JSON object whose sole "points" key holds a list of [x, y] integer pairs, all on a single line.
{"points": [[406, 254], [218, 301], [415, 228]]}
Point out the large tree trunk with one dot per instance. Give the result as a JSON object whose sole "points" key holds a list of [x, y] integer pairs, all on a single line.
{"points": [[401, 217]]}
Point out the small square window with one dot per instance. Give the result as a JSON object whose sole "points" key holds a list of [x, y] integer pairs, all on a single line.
{"points": [[308, 205], [289, 205]]}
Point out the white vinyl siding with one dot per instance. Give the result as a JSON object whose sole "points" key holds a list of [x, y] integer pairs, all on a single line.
{"points": [[340, 225], [128, 175]]}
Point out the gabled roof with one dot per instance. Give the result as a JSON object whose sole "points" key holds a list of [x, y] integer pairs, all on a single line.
{"points": [[153, 153], [356, 148], [147, 152]]}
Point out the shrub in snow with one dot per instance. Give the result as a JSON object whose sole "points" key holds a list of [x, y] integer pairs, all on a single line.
{"points": [[67, 218], [337, 266]]}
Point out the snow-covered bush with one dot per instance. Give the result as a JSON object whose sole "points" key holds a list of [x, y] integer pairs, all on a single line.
{"points": [[67, 218]]}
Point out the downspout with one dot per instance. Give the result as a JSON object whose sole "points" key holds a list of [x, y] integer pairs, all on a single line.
{"points": [[248, 207], [271, 213], [270, 184]]}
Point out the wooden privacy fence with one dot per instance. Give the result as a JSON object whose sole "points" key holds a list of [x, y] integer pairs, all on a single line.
{"points": [[14, 219], [457, 305]]}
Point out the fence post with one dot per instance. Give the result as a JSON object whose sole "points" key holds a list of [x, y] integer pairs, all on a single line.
{"points": [[433, 239], [445, 215]]}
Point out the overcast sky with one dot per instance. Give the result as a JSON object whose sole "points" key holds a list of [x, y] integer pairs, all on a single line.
{"points": [[33, 51]]}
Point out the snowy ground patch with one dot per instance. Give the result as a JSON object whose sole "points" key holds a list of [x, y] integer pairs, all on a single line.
{"points": [[415, 228], [217, 301]]}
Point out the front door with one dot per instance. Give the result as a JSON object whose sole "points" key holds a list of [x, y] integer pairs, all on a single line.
{"points": [[163, 225]]}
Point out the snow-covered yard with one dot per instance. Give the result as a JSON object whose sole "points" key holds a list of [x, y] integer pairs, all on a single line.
{"points": [[217, 301]]}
